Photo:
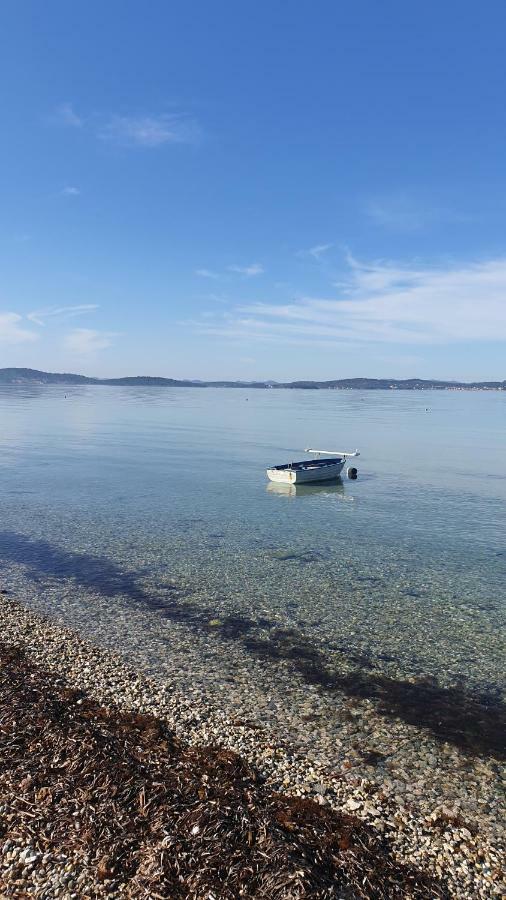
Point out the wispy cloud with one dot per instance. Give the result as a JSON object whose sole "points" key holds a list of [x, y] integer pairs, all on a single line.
{"points": [[150, 131], [66, 115], [383, 302], [207, 273], [11, 332], [397, 216], [71, 191], [319, 250], [147, 130], [405, 213], [60, 313], [86, 341], [248, 271], [216, 298]]}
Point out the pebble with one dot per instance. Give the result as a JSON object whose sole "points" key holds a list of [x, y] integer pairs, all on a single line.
{"points": [[422, 798]]}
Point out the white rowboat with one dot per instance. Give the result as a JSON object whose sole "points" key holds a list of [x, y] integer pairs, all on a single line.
{"points": [[327, 468]]}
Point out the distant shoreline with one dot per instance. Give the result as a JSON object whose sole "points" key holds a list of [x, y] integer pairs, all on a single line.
{"points": [[19, 376]]}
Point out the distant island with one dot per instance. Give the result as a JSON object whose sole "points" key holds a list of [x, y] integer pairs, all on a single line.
{"points": [[34, 376]]}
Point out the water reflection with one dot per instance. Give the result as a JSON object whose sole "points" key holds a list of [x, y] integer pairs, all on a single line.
{"points": [[335, 488]]}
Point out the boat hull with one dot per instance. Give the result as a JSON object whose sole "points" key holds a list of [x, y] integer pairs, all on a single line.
{"points": [[307, 472]]}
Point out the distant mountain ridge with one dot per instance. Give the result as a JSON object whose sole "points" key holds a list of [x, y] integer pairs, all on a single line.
{"points": [[16, 376]]}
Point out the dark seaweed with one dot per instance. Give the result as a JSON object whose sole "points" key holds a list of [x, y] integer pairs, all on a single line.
{"points": [[139, 812]]}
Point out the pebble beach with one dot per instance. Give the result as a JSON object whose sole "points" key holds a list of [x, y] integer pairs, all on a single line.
{"points": [[434, 804]]}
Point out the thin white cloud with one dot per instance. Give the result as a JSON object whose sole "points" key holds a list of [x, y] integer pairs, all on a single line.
{"points": [[143, 130], [216, 298], [396, 216], [71, 191], [246, 330], [383, 302], [207, 273], [406, 213], [66, 115], [86, 341], [150, 131], [319, 250], [248, 271], [11, 332], [60, 313]]}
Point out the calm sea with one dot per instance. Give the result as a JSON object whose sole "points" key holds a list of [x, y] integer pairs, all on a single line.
{"points": [[121, 506]]}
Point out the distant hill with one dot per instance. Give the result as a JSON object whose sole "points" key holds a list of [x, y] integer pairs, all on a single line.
{"points": [[407, 384], [34, 376]]}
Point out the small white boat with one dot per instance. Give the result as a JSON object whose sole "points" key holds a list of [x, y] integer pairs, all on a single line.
{"points": [[325, 468]]}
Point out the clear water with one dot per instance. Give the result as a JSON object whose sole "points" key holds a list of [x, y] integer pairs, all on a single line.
{"points": [[154, 503]]}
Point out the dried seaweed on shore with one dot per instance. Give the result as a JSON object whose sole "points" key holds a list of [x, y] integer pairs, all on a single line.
{"points": [[133, 812]]}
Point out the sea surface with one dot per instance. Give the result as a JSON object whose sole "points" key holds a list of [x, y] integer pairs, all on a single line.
{"points": [[143, 517]]}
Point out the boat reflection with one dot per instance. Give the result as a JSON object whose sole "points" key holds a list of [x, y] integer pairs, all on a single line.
{"points": [[335, 488]]}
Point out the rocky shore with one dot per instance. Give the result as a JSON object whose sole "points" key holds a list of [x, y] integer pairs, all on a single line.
{"points": [[114, 784]]}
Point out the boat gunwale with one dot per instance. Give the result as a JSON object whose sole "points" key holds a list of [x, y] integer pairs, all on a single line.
{"points": [[305, 465]]}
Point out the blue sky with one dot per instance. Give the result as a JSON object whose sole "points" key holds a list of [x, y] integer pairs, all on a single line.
{"points": [[253, 190]]}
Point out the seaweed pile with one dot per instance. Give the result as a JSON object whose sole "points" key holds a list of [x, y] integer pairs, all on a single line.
{"points": [[98, 802]]}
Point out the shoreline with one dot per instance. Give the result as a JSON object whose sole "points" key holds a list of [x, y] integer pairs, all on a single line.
{"points": [[446, 846]]}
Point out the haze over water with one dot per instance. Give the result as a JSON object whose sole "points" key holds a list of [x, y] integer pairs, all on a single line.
{"points": [[122, 504]]}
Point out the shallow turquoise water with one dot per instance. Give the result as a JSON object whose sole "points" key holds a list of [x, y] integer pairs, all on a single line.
{"points": [[150, 497]]}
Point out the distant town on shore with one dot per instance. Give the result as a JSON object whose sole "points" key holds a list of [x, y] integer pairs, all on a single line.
{"points": [[18, 376]]}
